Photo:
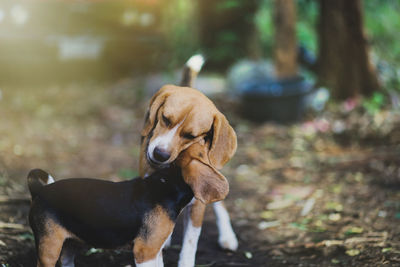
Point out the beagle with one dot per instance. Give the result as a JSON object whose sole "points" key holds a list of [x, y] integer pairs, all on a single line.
{"points": [[177, 118], [105, 214]]}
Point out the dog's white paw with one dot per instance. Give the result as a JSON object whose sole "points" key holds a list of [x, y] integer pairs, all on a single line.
{"points": [[228, 241]]}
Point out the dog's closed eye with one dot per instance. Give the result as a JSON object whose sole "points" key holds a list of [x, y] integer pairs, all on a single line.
{"points": [[189, 136], [166, 121]]}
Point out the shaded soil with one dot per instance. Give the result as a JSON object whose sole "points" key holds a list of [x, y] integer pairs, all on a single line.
{"points": [[299, 197]]}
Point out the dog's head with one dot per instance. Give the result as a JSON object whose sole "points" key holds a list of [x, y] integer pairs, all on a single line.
{"points": [[179, 117], [207, 183]]}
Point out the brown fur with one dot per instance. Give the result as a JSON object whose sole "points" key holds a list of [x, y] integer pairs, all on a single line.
{"points": [[50, 245], [149, 242], [197, 213], [189, 76], [208, 184]]}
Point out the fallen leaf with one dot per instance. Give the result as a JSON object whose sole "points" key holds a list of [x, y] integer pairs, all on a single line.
{"points": [[264, 225], [11, 225], [280, 204], [93, 251], [354, 230], [353, 252], [308, 206], [329, 243], [334, 217], [267, 214], [276, 252], [285, 196], [336, 206], [248, 254]]}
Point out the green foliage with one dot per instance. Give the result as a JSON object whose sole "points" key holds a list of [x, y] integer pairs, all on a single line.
{"points": [[228, 36], [307, 14], [382, 23], [354, 230], [227, 4], [27, 236], [374, 103], [180, 30], [306, 35], [264, 24], [127, 173]]}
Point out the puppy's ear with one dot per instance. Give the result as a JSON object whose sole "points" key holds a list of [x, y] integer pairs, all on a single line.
{"points": [[223, 143], [208, 184], [155, 104]]}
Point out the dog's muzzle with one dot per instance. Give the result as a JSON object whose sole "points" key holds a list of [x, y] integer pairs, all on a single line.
{"points": [[157, 164], [161, 155]]}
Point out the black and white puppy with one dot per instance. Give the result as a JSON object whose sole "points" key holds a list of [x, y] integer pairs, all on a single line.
{"points": [[104, 214]]}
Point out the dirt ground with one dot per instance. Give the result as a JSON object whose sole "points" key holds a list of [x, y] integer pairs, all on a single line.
{"points": [[318, 193]]}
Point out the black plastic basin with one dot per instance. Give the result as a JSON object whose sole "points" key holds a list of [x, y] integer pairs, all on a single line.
{"points": [[274, 100]]}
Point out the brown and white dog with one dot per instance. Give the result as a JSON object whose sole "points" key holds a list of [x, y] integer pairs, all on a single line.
{"points": [[177, 118]]}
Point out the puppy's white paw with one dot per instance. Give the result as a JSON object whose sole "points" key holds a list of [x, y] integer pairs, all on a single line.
{"points": [[228, 241]]}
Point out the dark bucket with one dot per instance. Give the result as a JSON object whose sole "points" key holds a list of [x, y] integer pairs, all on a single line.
{"points": [[281, 101]]}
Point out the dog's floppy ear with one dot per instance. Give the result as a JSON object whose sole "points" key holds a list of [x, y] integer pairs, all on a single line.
{"points": [[223, 143], [208, 184], [155, 103]]}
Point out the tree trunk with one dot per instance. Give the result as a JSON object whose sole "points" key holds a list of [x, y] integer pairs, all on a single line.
{"points": [[285, 47], [343, 63]]}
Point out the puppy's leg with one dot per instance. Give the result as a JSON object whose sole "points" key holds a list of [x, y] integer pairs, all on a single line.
{"points": [[160, 261], [193, 219], [143, 252], [50, 244], [147, 248], [148, 252], [150, 263], [227, 238]]}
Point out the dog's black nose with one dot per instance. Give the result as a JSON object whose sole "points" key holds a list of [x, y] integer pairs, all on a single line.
{"points": [[161, 155]]}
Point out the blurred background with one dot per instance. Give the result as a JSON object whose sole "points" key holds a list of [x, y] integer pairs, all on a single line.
{"points": [[312, 88]]}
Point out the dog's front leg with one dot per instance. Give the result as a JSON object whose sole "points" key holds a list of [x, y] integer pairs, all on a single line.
{"points": [[150, 263], [155, 262], [193, 219], [144, 256], [227, 238], [148, 245]]}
